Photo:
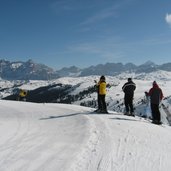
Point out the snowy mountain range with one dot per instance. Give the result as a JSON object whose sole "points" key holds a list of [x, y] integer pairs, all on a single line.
{"points": [[113, 69], [32, 71]]}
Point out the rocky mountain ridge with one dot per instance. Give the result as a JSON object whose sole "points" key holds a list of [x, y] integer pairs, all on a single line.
{"points": [[30, 70], [25, 71]]}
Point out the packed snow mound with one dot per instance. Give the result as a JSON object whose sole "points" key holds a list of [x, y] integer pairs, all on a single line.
{"points": [[71, 138]]}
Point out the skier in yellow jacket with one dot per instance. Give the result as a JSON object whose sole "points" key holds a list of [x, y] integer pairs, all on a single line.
{"points": [[102, 95]]}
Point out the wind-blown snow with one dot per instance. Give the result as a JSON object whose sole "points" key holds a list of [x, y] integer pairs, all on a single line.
{"points": [[60, 137]]}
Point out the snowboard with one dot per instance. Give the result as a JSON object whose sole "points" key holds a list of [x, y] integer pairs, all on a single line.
{"points": [[147, 110], [168, 114]]}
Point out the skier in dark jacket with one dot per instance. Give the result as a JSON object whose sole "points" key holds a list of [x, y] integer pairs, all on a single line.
{"points": [[129, 88], [156, 95]]}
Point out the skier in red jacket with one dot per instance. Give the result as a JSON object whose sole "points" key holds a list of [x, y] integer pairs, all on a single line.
{"points": [[156, 95]]}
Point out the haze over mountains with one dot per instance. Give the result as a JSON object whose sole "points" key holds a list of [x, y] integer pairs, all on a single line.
{"points": [[30, 70]]}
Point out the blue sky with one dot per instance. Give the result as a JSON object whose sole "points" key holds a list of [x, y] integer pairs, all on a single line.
{"points": [[63, 33]]}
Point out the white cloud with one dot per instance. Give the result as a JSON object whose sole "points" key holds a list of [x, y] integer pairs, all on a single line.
{"points": [[168, 19], [100, 15]]}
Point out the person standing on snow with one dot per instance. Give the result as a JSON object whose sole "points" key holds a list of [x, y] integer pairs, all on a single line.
{"points": [[156, 95], [129, 88], [102, 95]]}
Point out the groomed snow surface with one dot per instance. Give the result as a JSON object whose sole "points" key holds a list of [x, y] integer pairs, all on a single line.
{"points": [[60, 137]]}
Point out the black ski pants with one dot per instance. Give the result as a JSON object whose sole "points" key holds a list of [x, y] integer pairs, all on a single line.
{"points": [[129, 103], [98, 101], [102, 103], [155, 112]]}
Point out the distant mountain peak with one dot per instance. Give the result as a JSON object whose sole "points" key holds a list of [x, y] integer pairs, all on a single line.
{"points": [[26, 71], [149, 63]]}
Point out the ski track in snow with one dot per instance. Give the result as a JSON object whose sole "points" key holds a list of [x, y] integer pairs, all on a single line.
{"points": [[50, 137], [125, 151]]}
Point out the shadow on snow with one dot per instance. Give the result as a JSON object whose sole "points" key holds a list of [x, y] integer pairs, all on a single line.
{"points": [[61, 116]]}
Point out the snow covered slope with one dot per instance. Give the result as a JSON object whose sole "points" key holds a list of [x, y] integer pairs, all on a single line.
{"points": [[60, 137]]}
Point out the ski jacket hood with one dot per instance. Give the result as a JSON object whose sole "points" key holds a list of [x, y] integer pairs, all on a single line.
{"points": [[155, 85]]}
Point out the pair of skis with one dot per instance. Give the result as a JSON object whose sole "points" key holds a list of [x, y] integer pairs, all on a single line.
{"points": [[167, 112]]}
